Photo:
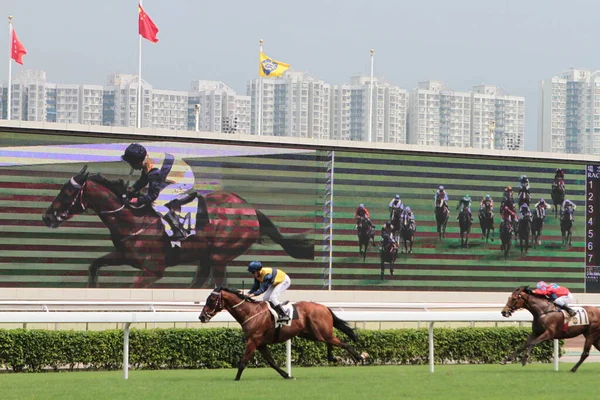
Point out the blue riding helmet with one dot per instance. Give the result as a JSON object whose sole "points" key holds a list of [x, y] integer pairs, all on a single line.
{"points": [[542, 200], [134, 153], [397, 196], [487, 197], [254, 266], [407, 209]]}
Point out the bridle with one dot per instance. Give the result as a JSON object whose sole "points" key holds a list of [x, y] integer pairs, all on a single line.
{"points": [[78, 196]]}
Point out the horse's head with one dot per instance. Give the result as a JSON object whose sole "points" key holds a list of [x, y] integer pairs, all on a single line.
{"points": [[516, 300], [69, 201], [214, 303]]}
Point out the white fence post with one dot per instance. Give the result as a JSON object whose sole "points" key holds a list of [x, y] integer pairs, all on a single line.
{"points": [[126, 350]]}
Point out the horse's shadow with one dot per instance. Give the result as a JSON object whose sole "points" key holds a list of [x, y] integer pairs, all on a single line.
{"points": [[472, 245]]}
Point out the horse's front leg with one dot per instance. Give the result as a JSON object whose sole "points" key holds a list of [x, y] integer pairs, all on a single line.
{"points": [[514, 354], [251, 345], [110, 259], [547, 335], [266, 353]]}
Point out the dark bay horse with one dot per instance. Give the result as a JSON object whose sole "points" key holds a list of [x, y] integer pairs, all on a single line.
{"points": [[442, 213], [407, 233], [548, 324], [366, 234], [486, 221], [140, 241], [566, 226], [537, 225], [388, 254], [506, 234], [558, 196], [464, 222], [524, 233], [314, 322]]}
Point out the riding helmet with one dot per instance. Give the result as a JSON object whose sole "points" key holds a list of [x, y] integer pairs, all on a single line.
{"points": [[361, 205], [254, 266], [134, 153], [407, 209], [397, 196], [441, 188]]}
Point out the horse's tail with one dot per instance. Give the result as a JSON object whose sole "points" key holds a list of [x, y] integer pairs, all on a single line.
{"points": [[343, 326], [296, 247]]}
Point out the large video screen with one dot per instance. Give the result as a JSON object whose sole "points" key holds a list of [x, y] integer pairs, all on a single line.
{"points": [[68, 226]]}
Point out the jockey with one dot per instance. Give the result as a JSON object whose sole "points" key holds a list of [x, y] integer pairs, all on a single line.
{"points": [[361, 211], [508, 194], [508, 214], [485, 200], [465, 204], [565, 204], [155, 180], [525, 211], [395, 204], [561, 296], [559, 177], [272, 282], [542, 205], [387, 229], [440, 194], [411, 217], [524, 183]]}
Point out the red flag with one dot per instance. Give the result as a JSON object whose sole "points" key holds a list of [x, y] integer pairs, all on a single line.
{"points": [[17, 50], [147, 28]]}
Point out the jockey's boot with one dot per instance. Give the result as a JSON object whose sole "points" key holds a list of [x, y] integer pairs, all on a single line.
{"points": [[569, 311], [173, 221], [283, 317]]}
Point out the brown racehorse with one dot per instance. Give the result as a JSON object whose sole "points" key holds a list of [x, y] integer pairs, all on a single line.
{"points": [[140, 241], [314, 322], [548, 323]]}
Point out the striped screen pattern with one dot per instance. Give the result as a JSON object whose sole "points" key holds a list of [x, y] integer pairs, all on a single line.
{"points": [[291, 188]]}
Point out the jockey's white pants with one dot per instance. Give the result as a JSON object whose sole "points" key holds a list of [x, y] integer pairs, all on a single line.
{"points": [[273, 292], [565, 300]]}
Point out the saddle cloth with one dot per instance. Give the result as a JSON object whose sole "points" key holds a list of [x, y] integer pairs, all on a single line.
{"points": [[580, 319], [289, 310]]}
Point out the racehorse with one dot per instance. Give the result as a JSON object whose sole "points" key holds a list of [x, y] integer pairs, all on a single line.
{"points": [[537, 225], [464, 222], [140, 239], [395, 218], [365, 233], [524, 197], [486, 221], [549, 323], [566, 226], [524, 232], [407, 233], [388, 253], [311, 321], [506, 233], [558, 196], [442, 213]]}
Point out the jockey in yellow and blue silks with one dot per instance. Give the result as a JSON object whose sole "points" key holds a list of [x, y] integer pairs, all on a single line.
{"points": [[272, 282]]}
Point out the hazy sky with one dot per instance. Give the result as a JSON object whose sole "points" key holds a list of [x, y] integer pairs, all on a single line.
{"points": [[510, 43]]}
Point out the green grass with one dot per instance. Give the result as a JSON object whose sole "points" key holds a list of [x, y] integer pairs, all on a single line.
{"points": [[535, 381]]}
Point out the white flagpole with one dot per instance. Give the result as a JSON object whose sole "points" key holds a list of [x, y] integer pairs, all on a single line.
{"points": [[260, 84], [371, 99], [140, 95], [10, 44]]}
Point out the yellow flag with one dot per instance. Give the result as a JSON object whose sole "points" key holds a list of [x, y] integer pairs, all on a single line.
{"points": [[269, 67]]}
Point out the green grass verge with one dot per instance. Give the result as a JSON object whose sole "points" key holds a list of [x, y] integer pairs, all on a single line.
{"points": [[382, 382]]}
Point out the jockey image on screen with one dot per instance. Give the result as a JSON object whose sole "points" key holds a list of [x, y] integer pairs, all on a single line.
{"points": [[164, 184], [559, 177], [395, 204], [565, 204], [440, 194], [465, 204], [524, 183]]}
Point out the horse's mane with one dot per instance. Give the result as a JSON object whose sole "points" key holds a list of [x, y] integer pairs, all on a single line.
{"points": [[238, 293], [116, 186], [529, 291]]}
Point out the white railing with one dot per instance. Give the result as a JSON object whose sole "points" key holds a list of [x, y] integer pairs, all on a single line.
{"points": [[128, 318]]}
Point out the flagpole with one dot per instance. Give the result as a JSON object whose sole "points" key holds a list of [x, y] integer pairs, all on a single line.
{"points": [[8, 107], [371, 99], [260, 84], [140, 96]]}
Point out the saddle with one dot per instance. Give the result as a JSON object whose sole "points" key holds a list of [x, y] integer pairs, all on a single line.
{"points": [[288, 308]]}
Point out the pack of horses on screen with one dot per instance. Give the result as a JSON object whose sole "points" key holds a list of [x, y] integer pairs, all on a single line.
{"points": [[520, 221]]}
